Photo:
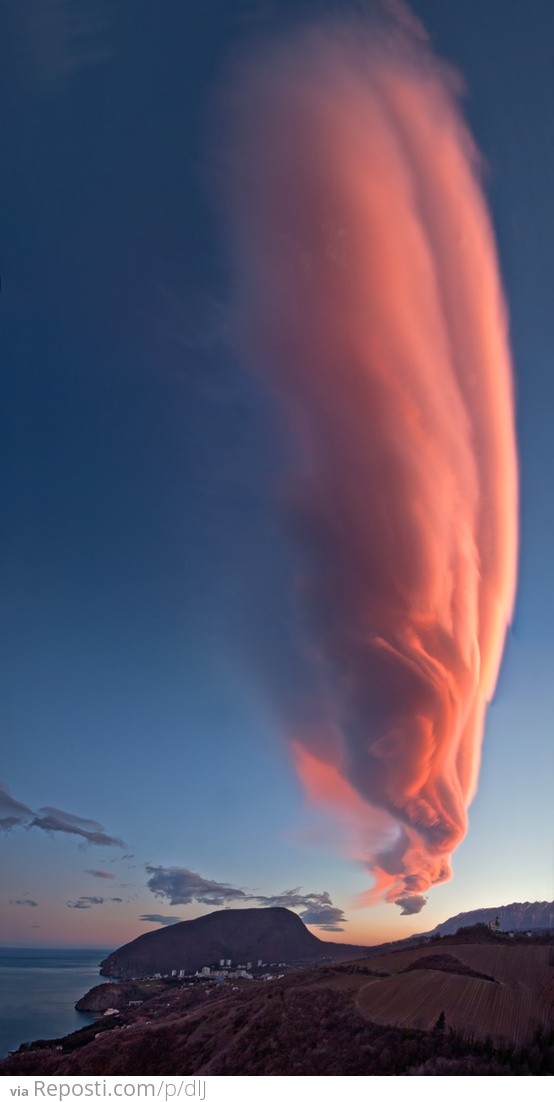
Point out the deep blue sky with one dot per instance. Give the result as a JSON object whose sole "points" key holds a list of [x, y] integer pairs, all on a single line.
{"points": [[142, 548]]}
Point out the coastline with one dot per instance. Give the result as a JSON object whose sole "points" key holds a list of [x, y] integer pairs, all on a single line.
{"points": [[38, 991]]}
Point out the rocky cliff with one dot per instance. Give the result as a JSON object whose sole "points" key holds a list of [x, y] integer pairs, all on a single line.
{"points": [[109, 995]]}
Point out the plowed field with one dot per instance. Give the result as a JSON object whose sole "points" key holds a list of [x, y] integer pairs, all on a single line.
{"points": [[510, 1009]]}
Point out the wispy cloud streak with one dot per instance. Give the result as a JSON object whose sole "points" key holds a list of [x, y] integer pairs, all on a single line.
{"points": [[160, 920], [85, 902], [52, 820]]}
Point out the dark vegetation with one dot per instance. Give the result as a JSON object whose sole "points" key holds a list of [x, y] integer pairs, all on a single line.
{"points": [[445, 962], [478, 933], [353, 969]]}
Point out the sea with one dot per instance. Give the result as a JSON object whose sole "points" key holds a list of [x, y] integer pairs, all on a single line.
{"points": [[38, 991]]}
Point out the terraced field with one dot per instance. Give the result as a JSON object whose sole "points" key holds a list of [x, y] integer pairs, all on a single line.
{"points": [[510, 1009]]}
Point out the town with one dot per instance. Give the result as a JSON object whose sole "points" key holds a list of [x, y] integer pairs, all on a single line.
{"points": [[226, 969]]}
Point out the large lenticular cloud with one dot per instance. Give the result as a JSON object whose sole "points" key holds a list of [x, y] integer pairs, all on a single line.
{"points": [[367, 297]]}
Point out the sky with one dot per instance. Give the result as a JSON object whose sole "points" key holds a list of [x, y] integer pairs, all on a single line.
{"points": [[165, 644]]}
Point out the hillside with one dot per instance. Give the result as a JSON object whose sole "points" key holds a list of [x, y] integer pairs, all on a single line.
{"points": [[513, 916], [509, 1010], [341, 1019], [272, 934]]}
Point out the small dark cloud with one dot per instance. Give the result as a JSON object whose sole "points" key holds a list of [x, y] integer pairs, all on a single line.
{"points": [[101, 874], [411, 904], [85, 901], [180, 885], [24, 902], [327, 918], [162, 920]]}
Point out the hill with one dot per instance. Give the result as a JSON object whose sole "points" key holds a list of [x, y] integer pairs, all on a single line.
{"points": [[272, 934], [340, 1019], [512, 917], [510, 1009]]}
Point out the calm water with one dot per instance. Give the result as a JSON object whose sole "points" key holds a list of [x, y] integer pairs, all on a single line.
{"points": [[38, 989]]}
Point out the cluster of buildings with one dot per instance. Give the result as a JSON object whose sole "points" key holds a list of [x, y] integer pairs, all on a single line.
{"points": [[226, 969]]}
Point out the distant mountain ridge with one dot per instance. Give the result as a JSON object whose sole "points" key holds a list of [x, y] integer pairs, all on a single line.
{"points": [[511, 917], [272, 934]]}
